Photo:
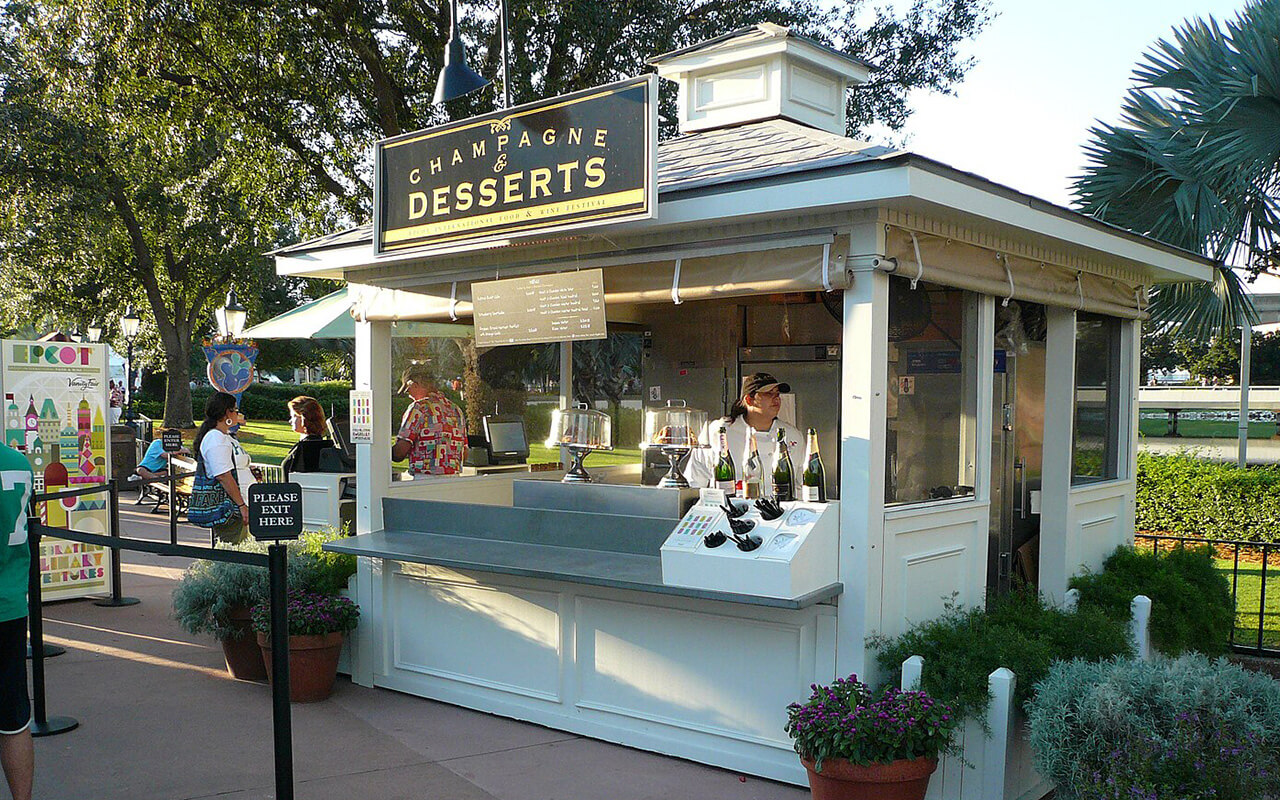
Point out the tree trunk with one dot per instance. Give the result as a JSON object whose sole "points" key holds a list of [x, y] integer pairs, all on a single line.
{"points": [[177, 389]]}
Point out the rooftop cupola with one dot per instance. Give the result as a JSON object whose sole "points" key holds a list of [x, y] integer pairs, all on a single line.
{"points": [[758, 73]]}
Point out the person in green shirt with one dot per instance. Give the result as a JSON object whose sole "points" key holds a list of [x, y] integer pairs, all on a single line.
{"points": [[17, 755]]}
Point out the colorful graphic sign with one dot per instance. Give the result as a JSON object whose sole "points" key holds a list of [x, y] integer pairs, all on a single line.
{"points": [[361, 410], [231, 366], [581, 159], [55, 412]]}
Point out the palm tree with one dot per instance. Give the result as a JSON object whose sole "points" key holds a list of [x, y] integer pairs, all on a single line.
{"points": [[1195, 161]]}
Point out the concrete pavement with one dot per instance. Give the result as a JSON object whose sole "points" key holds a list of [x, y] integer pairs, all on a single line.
{"points": [[1260, 451], [160, 719]]}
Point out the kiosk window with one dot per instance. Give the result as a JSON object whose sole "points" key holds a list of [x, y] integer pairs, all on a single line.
{"points": [[1095, 451], [931, 435]]}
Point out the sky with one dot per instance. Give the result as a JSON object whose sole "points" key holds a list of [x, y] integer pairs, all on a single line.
{"points": [[1046, 71]]}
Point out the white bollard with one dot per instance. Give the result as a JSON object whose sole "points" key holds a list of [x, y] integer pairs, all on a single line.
{"points": [[1071, 600], [1139, 626], [911, 669], [995, 755]]}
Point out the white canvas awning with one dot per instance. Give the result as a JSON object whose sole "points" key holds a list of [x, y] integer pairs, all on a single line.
{"points": [[330, 318]]}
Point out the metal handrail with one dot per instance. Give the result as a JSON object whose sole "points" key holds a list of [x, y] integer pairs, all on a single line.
{"points": [[1236, 545]]}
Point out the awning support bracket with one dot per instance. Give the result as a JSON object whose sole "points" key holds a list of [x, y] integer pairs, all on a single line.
{"points": [[675, 283], [915, 243]]}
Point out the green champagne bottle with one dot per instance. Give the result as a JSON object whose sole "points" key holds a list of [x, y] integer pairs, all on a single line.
{"points": [[726, 474], [783, 472], [752, 469], [813, 480]]}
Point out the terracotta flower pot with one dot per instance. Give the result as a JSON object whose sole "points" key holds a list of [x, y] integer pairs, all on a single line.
{"points": [[904, 779], [243, 656], [313, 665]]}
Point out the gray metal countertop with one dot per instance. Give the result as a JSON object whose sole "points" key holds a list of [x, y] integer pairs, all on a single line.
{"points": [[519, 541]]}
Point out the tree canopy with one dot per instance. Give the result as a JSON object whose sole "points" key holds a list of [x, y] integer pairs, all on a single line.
{"points": [[1195, 161], [153, 152]]}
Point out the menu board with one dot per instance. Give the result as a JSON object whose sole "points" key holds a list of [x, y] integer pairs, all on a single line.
{"points": [[564, 307]]}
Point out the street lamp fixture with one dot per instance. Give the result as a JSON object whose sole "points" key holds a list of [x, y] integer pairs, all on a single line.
{"points": [[94, 332], [129, 325], [456, 78], [231, 318]]}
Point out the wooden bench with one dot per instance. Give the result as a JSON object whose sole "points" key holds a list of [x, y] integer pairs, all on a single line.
{"points": [[184, 467]]}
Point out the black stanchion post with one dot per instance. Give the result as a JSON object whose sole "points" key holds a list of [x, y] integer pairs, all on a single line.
{"points": [[173, 504], [283, 724], [41, 724], [116, 600]]}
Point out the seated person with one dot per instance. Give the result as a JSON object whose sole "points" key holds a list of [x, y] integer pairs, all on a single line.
{"points": [[154, 463], [307, 419]]}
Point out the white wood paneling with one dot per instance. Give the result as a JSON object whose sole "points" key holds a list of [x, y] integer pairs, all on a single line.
{"points": [[933, 554], [504, 639], [704, 680]]}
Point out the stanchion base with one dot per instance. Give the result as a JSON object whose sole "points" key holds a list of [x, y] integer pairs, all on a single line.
{"points": [[53, 726], [111, 602], [50, 650]]}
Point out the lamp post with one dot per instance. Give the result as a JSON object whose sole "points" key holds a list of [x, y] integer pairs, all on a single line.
{"points": [[231, 318], [129, 325], [94, 331]]}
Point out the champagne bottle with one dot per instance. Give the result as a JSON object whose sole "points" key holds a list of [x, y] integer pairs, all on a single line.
{"points": [[752, 470], [783, 472], [726, 474], [814, 478]]}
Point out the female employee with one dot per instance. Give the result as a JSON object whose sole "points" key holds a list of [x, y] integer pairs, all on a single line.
{"points": [[754, 413]]}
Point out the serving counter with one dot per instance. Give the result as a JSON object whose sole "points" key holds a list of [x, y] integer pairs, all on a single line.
{"points": [[561, 617]]}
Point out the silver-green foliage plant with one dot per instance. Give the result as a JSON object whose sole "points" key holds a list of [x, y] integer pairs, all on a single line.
{"points": [[1185, 728], [209, 590]]}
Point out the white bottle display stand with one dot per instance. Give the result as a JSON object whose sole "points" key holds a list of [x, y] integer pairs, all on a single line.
{"points": [[796, 554]]}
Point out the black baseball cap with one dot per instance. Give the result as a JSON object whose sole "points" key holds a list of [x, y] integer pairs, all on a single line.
{"points": [[758, 382]]}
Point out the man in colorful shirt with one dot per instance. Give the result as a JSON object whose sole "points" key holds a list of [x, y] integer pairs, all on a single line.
{"points": [[433, 432], [16, 753]]}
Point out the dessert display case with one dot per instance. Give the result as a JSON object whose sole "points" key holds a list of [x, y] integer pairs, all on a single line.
{"points": [[581, 430], [673, 429]]}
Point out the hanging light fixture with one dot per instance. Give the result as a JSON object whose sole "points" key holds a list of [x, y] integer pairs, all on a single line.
{"points": [[456, 78], [231, 317]]}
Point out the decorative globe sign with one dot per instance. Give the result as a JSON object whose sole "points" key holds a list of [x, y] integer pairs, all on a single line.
{"points": [[231, 366]]}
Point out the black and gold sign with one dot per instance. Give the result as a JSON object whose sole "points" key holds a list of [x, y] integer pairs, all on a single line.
{"points": [[581, 159]]}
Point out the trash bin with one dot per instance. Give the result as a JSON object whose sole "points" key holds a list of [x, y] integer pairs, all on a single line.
{"points": [[124, 452]]}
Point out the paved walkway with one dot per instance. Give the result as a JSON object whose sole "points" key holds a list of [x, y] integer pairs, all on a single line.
{"points": [[160, 719]]}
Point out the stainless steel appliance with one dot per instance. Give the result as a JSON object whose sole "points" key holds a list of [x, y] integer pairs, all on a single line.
{"points": [[814, 374]]}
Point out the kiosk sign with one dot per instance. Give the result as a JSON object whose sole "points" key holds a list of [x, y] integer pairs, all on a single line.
{"points": [[275, 511], [568, 162]]}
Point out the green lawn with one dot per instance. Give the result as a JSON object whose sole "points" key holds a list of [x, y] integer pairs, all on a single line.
{"points": [[1206, 428], [268, 442], [1248, 592]]}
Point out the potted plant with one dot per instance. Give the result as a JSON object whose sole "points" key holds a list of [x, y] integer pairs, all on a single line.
{"points": [[214, 597], [317, 623], [857, 747]]}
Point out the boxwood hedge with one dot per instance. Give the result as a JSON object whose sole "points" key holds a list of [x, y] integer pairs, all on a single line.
{"points": [[1191, 496]]}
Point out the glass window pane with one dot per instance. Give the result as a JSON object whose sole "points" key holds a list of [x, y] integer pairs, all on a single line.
{"points": [[932, 393], [1098, 400]]}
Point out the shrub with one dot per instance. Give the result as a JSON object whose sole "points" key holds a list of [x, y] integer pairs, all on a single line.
{"points": [[843, 721], [261, 400], [209, 590], [1184, 728], [1191, 606], [1019, 631], [1192, 496], [311, 614]]}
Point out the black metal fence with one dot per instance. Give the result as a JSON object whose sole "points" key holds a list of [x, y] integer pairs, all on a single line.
{"points": [[275, 561], [1252, 565]]}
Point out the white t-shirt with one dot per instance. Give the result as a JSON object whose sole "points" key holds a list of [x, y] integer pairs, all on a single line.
{"points": [[702, 464], [221, 454]]}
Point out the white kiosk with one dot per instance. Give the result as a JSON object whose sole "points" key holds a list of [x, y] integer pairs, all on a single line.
{"points": [[987, 350]]}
